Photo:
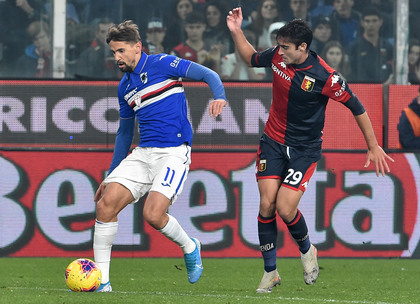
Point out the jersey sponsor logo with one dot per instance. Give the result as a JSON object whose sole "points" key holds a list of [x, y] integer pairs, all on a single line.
{"points": [[175, 63], [283, 65], [262, 165], [279, 72], [308, 84], [130, 94]]}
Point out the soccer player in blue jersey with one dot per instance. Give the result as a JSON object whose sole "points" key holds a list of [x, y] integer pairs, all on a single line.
{"points": [[151, 91], [291, 144]]}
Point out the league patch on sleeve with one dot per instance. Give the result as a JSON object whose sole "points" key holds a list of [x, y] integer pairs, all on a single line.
{"points": [[308, 84]]}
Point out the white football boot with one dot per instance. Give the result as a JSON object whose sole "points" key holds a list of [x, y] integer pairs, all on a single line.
{"points": [[310, 265], [268, 281]]}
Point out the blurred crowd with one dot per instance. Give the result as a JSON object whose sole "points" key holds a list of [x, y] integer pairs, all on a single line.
{"points": [[355, 37]]}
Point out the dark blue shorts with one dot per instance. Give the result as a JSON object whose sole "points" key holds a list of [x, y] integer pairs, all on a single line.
{"points": [[292, 166]]}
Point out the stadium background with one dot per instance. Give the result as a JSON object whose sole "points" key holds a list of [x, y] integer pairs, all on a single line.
{"points": [[56, 145]]}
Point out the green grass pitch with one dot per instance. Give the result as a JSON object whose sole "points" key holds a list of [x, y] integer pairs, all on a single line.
{"points": [[230, 280]]}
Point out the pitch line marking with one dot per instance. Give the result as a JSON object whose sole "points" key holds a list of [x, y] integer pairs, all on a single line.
{"points": [[158, 293]]}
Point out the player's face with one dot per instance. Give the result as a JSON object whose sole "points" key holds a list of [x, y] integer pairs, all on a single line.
{"points": [[126, 54], [290, 53]]}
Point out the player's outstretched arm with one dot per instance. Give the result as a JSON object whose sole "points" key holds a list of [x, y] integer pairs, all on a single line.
{"points": [[375, 153], [234, 23], [202, 73]]}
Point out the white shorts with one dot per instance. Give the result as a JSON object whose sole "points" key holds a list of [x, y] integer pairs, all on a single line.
{"points": [[153, 169]]}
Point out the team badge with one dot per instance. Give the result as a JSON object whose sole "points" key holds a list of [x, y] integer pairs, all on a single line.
{"points": [[308, 84], [262, 165], [143, 77]]}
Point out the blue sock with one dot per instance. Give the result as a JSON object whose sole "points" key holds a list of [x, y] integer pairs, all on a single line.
{"points": [[267, 234], [299, 231]]}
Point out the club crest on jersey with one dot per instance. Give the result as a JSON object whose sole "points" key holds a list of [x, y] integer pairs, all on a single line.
{"points": [[307, 84], [262, 165], [143, 77]]}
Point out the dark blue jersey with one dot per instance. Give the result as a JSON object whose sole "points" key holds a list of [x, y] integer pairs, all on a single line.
{"points": [[300, 96]]}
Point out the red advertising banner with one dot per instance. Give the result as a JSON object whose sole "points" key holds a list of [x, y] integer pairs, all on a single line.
{"points": [[47, 208]]}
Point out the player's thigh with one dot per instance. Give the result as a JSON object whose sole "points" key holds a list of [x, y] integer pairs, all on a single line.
{"points": [[268, 189], [133, 173], [287, 202], [299, 168]]}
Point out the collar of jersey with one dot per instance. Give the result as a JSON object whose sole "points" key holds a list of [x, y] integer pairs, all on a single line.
{"points": [[307, 63], [141, 63]]}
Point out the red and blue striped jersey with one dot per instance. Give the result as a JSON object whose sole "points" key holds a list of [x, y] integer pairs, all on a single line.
{"points": [[300, 96]]}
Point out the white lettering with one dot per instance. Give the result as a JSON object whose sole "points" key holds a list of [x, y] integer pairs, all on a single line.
{"points": [[39, 115], [98, 115], [215, 203], [12, 109], [60, 115], [377, 211], [225, 121], [280, 72], [256, 115], [13, 219]]}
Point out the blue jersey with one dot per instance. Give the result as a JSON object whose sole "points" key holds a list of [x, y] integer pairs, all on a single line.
{"points": [[154, 94], [300, 96]]}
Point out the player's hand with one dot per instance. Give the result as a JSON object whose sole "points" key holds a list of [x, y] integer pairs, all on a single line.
{"points": [[234, 19], [379, 158], [216, 107], [100, 192]]}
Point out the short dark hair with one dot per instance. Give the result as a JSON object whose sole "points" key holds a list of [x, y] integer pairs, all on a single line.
{"points": [[195, 17], [371, 11], [296, 31], [126, 31]]}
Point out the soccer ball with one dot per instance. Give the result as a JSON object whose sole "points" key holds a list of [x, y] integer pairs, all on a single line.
{"points": [[83, 275]]}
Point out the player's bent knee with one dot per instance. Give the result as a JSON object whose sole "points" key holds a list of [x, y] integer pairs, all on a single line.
{"points": [[105, 211], [155, 219]]}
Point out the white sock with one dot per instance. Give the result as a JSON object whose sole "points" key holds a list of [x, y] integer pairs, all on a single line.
{"points": [[176, 234], [103, 238]]}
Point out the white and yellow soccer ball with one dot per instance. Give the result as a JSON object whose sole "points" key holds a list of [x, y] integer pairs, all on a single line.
{"points": [[83, 275]]}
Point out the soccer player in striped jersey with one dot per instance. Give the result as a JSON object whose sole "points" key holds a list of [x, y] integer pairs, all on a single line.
{"points": [[291, 144], [151, 91]]}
